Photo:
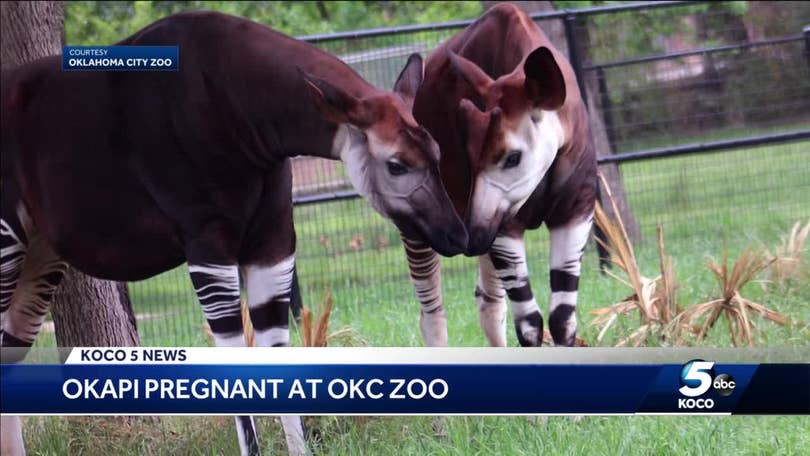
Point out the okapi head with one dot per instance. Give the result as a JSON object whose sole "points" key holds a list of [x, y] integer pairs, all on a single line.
{"points": [[391, 160], [512, 134]]}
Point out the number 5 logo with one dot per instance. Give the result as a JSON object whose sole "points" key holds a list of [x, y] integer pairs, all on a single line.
{"points": [[695, 378]]}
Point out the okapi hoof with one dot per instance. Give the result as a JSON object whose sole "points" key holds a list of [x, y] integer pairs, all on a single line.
{"points": [[563, 325], [530, 330]]}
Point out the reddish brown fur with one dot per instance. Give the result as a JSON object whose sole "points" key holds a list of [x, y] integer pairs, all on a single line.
{"points": [[499, 43]]}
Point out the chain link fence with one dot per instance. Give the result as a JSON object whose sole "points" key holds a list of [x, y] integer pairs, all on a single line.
{"points": [[708, 124]]}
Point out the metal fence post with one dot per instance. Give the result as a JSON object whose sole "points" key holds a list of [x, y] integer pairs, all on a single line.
{"points": [[570, 22], [607, 107], [807, 44]]}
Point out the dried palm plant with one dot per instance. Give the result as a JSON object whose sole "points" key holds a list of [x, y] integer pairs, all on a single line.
{"points": [[737, 309], [788, 258], [654, 299], [316, 334], [548, 340], [312, 334]]}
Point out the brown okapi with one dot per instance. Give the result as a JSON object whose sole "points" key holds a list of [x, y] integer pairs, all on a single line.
{"points": [[516, 152], [124, 175]]}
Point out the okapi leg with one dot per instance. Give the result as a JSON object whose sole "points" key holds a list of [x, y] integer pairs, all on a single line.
{"points": [[269, 288], [425, 272], [268, 297], [41, 273], [567, 246], [491, 301], [217, 288], [11, 436], [13, 245], [508, 255]]}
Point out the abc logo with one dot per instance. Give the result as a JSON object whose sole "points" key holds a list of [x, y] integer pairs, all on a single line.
{"points": [[724, 384], [697, 378]]}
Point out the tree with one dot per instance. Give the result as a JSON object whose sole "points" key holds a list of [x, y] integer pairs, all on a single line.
{"points": [[94, 22], [86, 311]]}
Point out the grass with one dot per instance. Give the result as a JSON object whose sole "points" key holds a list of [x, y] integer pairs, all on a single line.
{"points": [[739, 435], [663, 138], [744, 198]]}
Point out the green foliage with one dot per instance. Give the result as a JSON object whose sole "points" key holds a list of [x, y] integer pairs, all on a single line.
{"points": [[106, 22], [624, 35]]}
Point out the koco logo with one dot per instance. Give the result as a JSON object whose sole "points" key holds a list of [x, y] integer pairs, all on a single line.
{"points": [[697, 378]]}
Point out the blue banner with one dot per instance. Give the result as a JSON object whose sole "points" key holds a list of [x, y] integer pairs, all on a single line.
{"points": [[696, 387], [120, 58]]}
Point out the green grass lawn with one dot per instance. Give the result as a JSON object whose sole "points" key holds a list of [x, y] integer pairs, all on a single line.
{"points": [[738, 199]]}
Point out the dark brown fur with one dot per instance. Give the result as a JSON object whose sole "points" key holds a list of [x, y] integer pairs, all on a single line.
{"points": [[130, 174]]}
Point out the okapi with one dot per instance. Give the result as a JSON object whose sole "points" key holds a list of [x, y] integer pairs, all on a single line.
{"points": [[516, 152], [125, 175]]}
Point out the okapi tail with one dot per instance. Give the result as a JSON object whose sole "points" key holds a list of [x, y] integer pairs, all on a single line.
{"points": [[600, 238], [295, 297]]}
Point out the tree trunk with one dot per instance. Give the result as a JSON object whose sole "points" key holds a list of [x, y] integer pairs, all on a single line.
{"points": [[30, 30], [86, 311], [555, 30], [611, 171]]}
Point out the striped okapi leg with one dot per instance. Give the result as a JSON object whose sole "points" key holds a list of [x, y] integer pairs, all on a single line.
{"points": [[217, 288], [567, 245], [29, 274], [13, 245], [425, 272], [508, 255], [269, 288], [491, 301], [23, 314]]}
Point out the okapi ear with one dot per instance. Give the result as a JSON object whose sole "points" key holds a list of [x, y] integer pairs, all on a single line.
{"points": [[470, 72], [335, 104], [545, 84], [411, 76], [476, 127]]}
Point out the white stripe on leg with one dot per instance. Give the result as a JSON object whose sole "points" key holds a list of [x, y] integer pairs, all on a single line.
{"points": [[217, 288], [294, 435], [567, 246], [425, 272], [11, 436], [39, 277], [491, 301], [508, 255], [268, 298]]}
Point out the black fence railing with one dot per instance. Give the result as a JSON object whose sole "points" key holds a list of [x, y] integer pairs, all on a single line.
{"points": [[454, 25], [708, 147], [701, 51]]}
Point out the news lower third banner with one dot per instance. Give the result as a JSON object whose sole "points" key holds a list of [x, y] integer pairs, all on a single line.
{"points": [[120, 58], [403, 381]]}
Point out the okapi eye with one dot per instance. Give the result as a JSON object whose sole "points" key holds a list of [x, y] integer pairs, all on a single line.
{"points": [[512, 160], [396, 168]]}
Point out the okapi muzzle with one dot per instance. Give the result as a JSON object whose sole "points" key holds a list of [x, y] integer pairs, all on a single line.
{"points": [[420, 211]]}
